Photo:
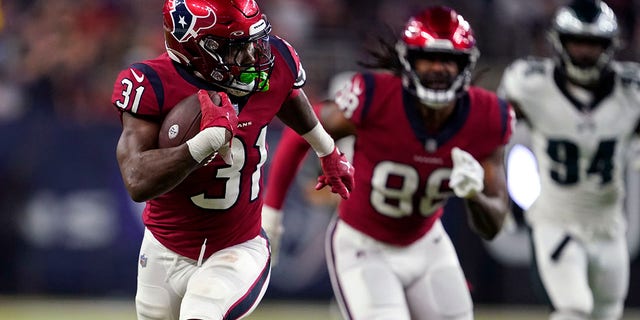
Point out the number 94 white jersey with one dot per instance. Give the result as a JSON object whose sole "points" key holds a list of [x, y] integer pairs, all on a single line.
{"points": [[580, 148]]}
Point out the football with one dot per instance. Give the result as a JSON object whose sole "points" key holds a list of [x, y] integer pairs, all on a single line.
{"points": [[183, 121]]}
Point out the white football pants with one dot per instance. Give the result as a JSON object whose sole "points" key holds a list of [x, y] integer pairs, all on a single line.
{"points": [[228, 285], [584, 280], [373, 280]]}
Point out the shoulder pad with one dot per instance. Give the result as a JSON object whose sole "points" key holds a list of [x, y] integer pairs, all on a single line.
{"points": [[629, 72], [530, 66], [290, 55], [525, 78]]}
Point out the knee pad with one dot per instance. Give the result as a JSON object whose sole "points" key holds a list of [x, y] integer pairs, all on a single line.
{"points": [[442, 294], [154, 304], [208, 298], [450, 294]]}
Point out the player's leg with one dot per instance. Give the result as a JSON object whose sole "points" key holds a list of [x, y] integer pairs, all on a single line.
{"points": [[441, 292], [609, 274], [229, 284], [561, 262], [159, 290], [364, 285]]}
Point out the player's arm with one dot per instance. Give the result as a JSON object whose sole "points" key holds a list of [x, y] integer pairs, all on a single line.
{"points": [[306, 131], [148, 171], [508, 88], [290, 152], [489, 208], [298, 114], [292, 147], [335, 122]]}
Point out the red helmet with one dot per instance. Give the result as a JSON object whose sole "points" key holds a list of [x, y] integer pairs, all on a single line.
{"points": [[225, 42], [441, 30]]}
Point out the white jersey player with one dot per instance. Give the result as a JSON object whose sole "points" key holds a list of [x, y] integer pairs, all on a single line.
{"points": [[583, 109]]}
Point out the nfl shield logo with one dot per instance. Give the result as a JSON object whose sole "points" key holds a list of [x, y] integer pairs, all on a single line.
{"points": [[143, 260]]}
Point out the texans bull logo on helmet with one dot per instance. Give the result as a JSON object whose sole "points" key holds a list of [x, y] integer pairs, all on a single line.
{"points": [[186, 24]]}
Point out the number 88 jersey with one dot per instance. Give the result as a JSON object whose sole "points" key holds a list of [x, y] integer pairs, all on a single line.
{"points": [[401, 170], [580, 147]]}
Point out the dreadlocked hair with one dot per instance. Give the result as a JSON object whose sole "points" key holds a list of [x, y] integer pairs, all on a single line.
{"points": [[382, 54]]}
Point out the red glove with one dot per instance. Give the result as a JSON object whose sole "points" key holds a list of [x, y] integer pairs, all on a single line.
{"points": [[218, 114], [338, 173]]}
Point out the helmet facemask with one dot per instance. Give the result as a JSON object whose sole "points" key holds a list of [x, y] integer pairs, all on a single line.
{"points": [[240, 66], [437, 89]]}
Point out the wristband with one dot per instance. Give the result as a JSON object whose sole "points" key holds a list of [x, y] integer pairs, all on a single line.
{"points": [[206, 142], [320, 141]]}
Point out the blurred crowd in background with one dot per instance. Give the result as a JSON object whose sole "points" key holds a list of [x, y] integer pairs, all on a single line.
{"points": [[59, 58], [65, 219]]}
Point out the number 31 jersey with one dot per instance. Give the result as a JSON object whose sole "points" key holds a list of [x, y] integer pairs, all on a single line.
{"points": [[580, 148], [218, 203]]}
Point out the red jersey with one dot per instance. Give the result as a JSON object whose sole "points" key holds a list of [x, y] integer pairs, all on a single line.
{"points": [[401, 170], [218, 202]]}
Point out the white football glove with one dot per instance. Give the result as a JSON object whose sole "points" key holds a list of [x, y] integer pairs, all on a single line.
{"points": [[467, 176], [272, 225]]}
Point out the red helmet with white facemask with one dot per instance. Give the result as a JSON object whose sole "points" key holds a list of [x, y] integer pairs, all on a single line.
{"points": [[437, 30], [221, 41]]}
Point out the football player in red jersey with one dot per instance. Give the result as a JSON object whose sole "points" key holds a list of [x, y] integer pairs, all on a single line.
{"points": [[203, 255], [422, 134]]}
